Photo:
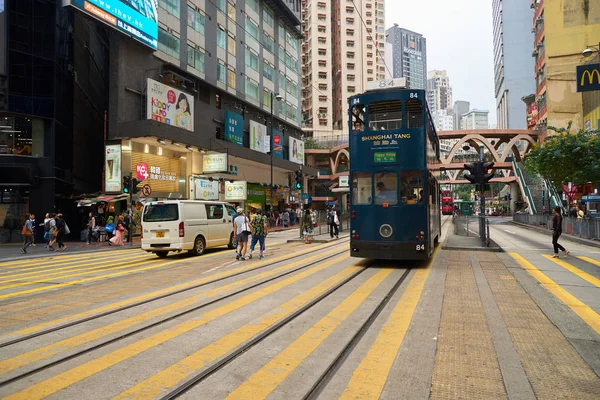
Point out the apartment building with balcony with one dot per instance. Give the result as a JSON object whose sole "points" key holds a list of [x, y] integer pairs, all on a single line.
{"points": [[343, 49], [439, 91]]}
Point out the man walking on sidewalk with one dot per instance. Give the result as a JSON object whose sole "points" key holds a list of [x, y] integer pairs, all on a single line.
{"points": [[27, 233]]}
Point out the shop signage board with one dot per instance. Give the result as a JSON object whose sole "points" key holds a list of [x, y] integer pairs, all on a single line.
{"points": [[277, 143], [234, 128], [112, 168], [236, 190], [343, 181], [169, 105], [258, 136], [141, 22], [296, 150], [588, 77], [206, 189], [214, 162], [160, 172]]}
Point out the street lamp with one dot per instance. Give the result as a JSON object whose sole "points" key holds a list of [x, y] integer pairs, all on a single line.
{"points": [[590, 50], [277, 97]]}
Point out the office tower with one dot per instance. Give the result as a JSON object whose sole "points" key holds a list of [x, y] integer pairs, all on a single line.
{"points": [[409, 56]]}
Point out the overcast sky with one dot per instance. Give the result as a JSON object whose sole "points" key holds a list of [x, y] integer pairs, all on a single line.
{"points": [[459, 40]]}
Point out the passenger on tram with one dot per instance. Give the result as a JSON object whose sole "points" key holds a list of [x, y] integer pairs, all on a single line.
{"points": [[382, 195]]}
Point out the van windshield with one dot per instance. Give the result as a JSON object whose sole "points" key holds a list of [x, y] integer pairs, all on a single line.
{"points": [[161, 212]]}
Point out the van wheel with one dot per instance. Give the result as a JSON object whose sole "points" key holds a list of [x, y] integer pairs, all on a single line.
{"points": [[162, 254], [231, 240], [198, 246]]}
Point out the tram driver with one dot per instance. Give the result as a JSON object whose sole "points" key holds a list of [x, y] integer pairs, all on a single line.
{"points": [[383, 195]]}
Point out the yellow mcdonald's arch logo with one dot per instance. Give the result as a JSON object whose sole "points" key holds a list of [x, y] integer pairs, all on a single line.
{"points": [[590, 75]]}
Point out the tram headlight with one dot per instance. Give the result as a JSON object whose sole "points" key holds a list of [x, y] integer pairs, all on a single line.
{"points": [[386, 230]]}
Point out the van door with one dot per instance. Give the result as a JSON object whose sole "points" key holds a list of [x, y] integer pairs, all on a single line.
{"points": [[218, 229]]}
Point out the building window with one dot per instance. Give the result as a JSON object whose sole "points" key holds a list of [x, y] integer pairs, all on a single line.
{"points": [[231, 45], [385, 115], [351, 78], [268, 71], [268, 16], [231, 79], [292, 89], [351, 89], [291, 112], [195, 59], [322, 98], [253, 5], [281, 30], [322, 75], [196, 20], [222, 6], [267, 98], [171, 6], [268, 42], [221, 39], [322, 63], [221, 71], [168, 43], [322, 17], [350, 32], [350, 43], [322, 52], [231, 11], [350, 66], [322, 86], [322, 29], [251, 60], [252, 28]]}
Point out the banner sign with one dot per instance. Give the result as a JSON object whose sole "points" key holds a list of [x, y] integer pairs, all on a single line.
{"points": [[138, 19], [588, 77], [296, 150], [343, 181], [234, 128], [112, 168], [258, 137], [169, 105], [214, 162], [206, 190], [235, 191], [277, 144], [256, 194]]}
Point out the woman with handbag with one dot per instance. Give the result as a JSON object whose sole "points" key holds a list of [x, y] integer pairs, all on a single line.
{"points": [[27, 232], [242, 231], [117, 240]]}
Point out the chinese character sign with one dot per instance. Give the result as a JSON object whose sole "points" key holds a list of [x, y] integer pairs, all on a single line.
{"points": [[206, 190], [169, 106], [277, 144], [234, 128]]}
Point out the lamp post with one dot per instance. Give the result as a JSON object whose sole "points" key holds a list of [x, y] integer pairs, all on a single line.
{"points": [[590, 49], [277, 97]]}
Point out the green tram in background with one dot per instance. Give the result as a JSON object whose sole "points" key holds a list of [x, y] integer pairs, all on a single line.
{"points": [[463, 207]]}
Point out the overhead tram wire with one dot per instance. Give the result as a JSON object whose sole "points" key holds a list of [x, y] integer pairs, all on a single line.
{"points": [[371, 37]]}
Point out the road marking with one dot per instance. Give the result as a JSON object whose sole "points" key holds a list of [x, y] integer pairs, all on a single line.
{"points": [[67, 344], [174, 374], [59, 258], [511, 232], [74, 375], [584, 311], [590, 260], [369, 378], [582, 274], [264, 381]]}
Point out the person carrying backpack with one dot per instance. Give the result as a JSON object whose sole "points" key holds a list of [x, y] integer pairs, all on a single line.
{"points": [[259, 233]]}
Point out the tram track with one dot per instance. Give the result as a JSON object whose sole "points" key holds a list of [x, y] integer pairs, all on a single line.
{"points": [[105, 343]]}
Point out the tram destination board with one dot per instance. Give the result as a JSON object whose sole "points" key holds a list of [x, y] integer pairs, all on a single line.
{"points": [[380, 157]]}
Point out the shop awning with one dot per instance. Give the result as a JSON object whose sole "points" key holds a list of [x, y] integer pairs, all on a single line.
{"points": [[86, 202]]}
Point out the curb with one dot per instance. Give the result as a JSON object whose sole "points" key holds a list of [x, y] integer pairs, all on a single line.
{"points": [[467, 248], [317, 240], [567, 237]]}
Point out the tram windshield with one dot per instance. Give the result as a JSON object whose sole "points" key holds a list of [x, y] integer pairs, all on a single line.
{"points": [[386, 188]]}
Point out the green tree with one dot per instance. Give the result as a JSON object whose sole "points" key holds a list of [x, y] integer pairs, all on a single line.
{"points": [[567, 157], [464, 191], [311, 143]]}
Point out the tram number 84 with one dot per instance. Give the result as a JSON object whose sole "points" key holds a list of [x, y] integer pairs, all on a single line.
{"points": [[420, 247]]}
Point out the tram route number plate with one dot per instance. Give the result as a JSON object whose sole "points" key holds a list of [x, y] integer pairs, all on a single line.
{"points": [[384, 157]]}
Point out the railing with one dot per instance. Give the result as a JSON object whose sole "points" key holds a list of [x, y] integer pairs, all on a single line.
{"points": [[587, 228], [330, 141], [555, 197], [524, 188]]}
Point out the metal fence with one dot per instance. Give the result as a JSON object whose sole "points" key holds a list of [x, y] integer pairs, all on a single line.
{"points": [[587, 228], [469, 226]]}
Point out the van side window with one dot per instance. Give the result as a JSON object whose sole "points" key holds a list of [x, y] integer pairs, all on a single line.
{"points": [[214, 211]]}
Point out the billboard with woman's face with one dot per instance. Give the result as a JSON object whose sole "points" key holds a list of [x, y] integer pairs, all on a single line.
{"points": [[169, 105], [296, 150]]}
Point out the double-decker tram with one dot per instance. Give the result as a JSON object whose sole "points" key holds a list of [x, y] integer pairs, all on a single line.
{"points": [[394, 157], [447, 202]]}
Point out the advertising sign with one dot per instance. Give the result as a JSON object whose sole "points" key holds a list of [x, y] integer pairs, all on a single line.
{"points": [[343, 181], [214, 162], [160, 172], [206, 190], [296, 150], [258, 137], [588, 77], [138, 19], [235, 191], [277, 144], [169, 106], [256, 194], [234, 128], [112, 168]]}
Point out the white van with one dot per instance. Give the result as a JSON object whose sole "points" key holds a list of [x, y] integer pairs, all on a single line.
{"points": [[193, 225]]}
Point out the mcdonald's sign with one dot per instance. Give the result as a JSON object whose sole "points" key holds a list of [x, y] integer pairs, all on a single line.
{"points": [[588, 77]]}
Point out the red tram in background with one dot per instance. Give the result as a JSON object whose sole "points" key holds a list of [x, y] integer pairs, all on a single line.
{"points": [[447, 202]]}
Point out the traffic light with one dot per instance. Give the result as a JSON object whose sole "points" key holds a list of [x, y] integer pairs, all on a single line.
{"points": [[485, 176], [473, 175], [126, 184], [134, 186], [299, 179]]}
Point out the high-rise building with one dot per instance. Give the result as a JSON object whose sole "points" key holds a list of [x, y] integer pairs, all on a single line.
{"points": [[439, 91], [343, 49], [409, 56], [442, 120], [512, 61], [459, 108], [474, 119], [557, 52]]}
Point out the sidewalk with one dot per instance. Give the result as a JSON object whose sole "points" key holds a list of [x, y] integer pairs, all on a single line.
{"points": [[564, 236], [470, 243], [324, 238]]}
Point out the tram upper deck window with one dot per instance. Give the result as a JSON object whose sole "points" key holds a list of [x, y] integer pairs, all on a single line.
{"points": [[411, 187], [358, 118], [386, 188], [385, 115], [414, 113], [362, 185]]}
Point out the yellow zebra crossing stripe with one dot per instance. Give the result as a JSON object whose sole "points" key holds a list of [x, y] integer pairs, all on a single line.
{"points": [[571, 268], [590, 260]]}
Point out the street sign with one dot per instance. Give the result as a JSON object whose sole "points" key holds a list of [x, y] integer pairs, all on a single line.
{"points": [[305, 196], [146, 190]]}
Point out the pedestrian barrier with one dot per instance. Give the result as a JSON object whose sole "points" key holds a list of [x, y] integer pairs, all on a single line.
{"points": [[586, 228]]}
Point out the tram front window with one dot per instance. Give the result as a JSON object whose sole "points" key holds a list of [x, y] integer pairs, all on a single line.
{"points": [[411, 187], [362, 183], [386, 188]]}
